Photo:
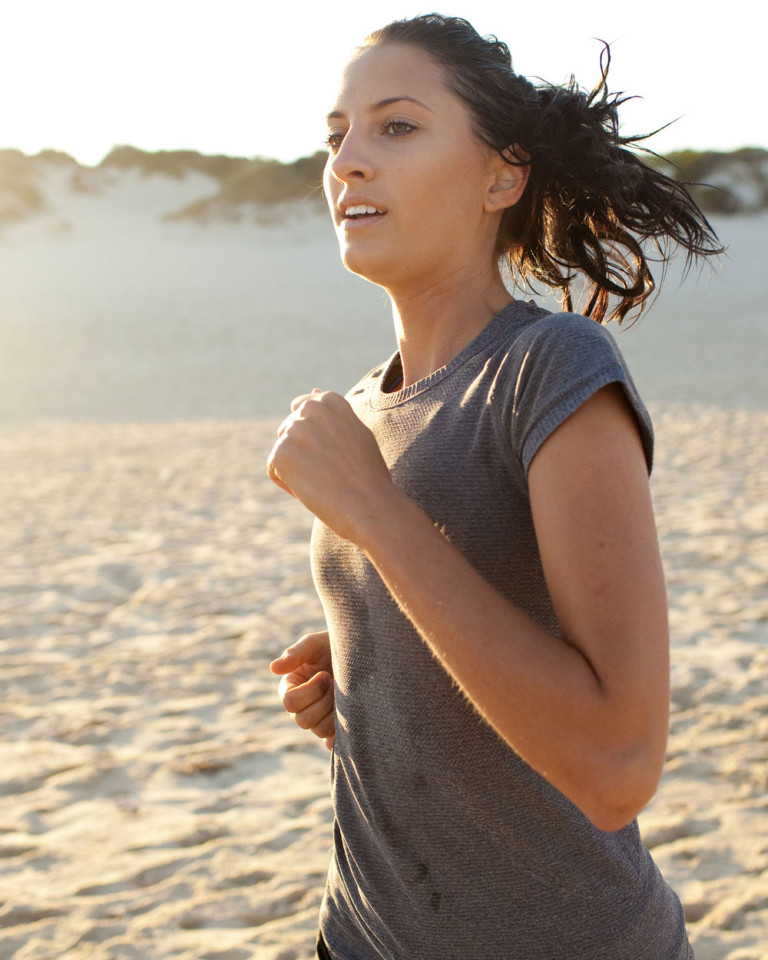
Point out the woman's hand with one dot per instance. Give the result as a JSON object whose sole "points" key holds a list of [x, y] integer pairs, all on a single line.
{"points": [[306, 685], [325, 457]]}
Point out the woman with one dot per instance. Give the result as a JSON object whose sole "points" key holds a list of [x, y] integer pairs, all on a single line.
{"points": [[484, 545]]}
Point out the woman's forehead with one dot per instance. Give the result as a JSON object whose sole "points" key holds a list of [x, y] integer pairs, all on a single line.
{"points": [[387, 72]]}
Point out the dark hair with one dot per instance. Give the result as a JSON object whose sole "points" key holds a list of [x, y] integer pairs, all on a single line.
{"points": [[590, 203]]}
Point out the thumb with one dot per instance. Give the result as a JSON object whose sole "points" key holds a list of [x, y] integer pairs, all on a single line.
{"points": [[288, 660], [306, 650], [273, 474]]}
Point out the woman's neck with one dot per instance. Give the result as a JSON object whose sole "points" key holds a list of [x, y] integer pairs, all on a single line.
{"points": [[434, 324]]}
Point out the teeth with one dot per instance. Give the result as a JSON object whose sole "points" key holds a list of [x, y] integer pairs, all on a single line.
{"points": [[360, 210]]}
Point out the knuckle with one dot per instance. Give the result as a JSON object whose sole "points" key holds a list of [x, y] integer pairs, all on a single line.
{"points": [[291, 703], [325, 728]]}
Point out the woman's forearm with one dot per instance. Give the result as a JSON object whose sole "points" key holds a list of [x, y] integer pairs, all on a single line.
{"points": [[539, 693], [587, 709]]}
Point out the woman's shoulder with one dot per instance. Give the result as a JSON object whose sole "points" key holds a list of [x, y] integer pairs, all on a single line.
{"points": [[545, 329], [550, 367], [552, 350]]}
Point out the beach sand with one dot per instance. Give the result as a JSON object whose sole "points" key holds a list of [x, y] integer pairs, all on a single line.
{"points": [[155, 801], [158, 803]]}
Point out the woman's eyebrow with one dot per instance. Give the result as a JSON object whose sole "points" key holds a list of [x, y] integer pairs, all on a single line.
{"points": [[374, 107]]}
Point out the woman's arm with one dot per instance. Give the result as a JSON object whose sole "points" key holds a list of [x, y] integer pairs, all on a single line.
{"points": [[588, 711]]}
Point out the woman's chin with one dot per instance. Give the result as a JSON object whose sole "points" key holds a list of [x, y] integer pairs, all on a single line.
{"points": [[370, 268]]}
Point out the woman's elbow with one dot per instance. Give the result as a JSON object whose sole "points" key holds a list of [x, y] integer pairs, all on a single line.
{"points": [[622, 788]]}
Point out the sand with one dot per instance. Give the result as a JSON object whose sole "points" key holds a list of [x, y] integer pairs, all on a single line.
{"points": [[155, 801], [158, 803]]}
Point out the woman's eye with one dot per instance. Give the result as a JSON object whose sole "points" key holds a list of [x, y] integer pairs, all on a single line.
{"points": [[398, 128], [392, 128], [333, 141]]}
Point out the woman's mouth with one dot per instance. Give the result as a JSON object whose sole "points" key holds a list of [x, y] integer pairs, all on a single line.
{"points": [[361, 213]]}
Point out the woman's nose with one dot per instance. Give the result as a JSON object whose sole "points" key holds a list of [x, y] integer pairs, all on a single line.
{"points": [[351, 161]]}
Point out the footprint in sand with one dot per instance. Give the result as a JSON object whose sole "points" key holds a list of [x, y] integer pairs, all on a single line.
{"points": [[281, 841], [245, 879], [148, 877], [197, 838], [10, 850], [26, 913], [661, 832], [239, 911], [232, 954], [103, 932]]}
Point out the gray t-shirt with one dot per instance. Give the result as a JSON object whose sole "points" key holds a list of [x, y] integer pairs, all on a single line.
{"points": [[447, 844]]}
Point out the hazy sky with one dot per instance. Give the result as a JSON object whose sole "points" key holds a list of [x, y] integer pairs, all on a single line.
{"points": [[250, 78]]}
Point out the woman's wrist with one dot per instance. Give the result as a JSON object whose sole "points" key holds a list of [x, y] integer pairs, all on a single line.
{"points": [[385, 521]]}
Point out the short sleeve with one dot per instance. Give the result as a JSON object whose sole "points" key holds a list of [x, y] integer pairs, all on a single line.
{"points": [[562, 360]]}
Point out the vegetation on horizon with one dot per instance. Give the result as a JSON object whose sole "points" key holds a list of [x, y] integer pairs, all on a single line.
{"points": [[257, 182], [722, 183], [725, 183]]}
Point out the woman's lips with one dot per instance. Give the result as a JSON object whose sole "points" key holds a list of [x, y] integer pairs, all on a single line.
{"points": [[353, 223], [359, 213]]}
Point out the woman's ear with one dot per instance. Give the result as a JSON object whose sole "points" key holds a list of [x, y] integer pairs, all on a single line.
{"points": [[509, 179]]}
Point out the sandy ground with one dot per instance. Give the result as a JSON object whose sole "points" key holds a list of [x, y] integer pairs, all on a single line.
{"points": [[157, 803]]}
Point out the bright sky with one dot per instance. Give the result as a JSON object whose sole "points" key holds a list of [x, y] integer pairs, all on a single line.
{"points": [[248, 77]]}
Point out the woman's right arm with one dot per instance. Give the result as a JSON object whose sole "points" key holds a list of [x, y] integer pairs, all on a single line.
{"points": [[306, 685], [587, 708]]}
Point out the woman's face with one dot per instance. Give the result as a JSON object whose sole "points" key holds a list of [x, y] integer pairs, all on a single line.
{"points": [[410, 186]]}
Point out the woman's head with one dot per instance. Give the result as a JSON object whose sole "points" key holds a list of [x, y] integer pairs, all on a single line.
{"points": [[589, 202], [416, 194]]}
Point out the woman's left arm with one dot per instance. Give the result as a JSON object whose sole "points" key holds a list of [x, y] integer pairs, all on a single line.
{"points": [[587, 710]]}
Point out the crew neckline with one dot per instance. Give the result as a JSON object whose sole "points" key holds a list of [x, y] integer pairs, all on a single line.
{"points": [[378, 398]]}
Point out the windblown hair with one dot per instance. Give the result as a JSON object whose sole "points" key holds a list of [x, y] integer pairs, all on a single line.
{"points": [[590, 204]]}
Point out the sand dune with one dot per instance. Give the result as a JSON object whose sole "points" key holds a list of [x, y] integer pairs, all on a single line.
{"points": [[107, 312]]}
